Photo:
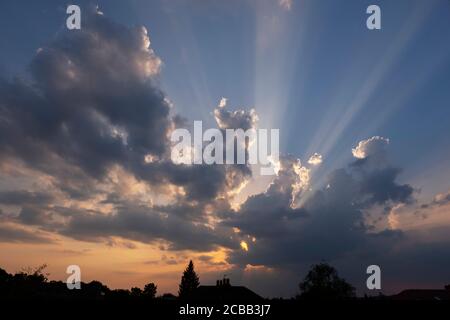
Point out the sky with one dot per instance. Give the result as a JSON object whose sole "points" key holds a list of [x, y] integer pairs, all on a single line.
{"points": [[86, 115]]}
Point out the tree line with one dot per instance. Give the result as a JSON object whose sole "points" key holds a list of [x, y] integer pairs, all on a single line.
{"points": [[321, 282]]}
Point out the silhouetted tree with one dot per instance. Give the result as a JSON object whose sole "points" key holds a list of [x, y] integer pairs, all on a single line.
{"points": [[95, 289], [5, 282], [4, 276], [29, 282], [168, 296], [136, 292], [150, 290], [189, 281], [119, 294], [323, 283]]}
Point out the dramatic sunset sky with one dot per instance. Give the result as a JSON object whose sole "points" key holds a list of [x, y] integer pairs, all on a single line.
{"points": [[364, 119]]}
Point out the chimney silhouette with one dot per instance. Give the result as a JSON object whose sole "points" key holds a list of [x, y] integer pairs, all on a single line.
{"points": [[225, 282]]}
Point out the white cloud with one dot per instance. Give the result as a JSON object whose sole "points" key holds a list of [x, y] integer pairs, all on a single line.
{"points": [[239, 119], [442, 198], [315, 159], [223, 102], [369, 147]]}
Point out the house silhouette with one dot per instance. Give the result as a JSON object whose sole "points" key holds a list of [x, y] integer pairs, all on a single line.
{"points": [[223, 291], [424, 294]]}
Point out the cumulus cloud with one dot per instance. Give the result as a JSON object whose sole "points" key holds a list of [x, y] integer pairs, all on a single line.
{"points": [[92, 105], [91, 102], [330, 224], [92, 108], [315, 159], [371, 146], [222, 102], [267, 214], [238, 119], [92, 120]]}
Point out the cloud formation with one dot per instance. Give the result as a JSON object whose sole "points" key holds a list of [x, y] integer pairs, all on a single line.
{"points": [[14, 234], [91, 102], [375, 145], [330, 224], [315, 159], [238, 119], [92, 108], [93, 124]]}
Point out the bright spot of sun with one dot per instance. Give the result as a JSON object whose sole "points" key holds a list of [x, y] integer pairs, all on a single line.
{"points": [[244, 245]]}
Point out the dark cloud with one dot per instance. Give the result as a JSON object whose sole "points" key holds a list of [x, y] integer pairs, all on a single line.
{"points": [[21, 197], [238, 119], [13, 234], [34, 216], [209, 260], [91, 103], [124, 244], [329, 225], [380, 186], [146, 225], [373, 147], [201, 182]]}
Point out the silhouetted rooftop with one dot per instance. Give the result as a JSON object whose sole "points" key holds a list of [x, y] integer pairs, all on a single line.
{"points": [[224, 291], [423, 294]]}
